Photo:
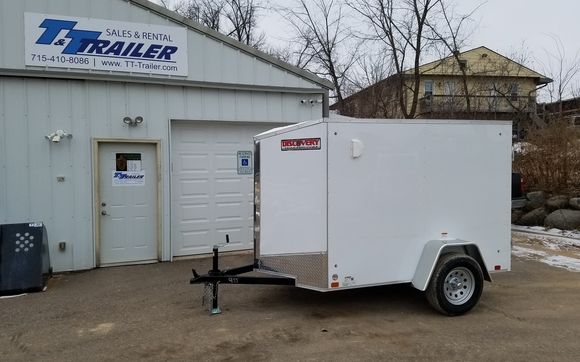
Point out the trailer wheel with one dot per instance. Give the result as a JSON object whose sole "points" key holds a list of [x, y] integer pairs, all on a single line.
{"points": [[456, 284]]}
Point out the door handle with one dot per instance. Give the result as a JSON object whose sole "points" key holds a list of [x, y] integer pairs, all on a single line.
{"points": [[104, 213]]}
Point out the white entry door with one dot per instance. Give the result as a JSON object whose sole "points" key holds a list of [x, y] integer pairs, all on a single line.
{"points": [[127, 203], [212, 188]]}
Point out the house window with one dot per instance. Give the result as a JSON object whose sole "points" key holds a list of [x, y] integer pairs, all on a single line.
{"points": [[514, 92], [449, 88], [428, 88]]}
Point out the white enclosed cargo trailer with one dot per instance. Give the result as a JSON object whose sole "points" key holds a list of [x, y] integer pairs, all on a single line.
{"points": [[357, 203]]}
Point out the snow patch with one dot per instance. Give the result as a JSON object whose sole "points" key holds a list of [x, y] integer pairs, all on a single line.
{"points": [[559, 261]]}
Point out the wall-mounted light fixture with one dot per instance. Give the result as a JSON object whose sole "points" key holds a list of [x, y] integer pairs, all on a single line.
{"points": [[312, 102], [133, 122], [58, 135]]}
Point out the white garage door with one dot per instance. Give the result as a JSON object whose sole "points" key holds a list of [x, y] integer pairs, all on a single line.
{"points": [[210, 198]]}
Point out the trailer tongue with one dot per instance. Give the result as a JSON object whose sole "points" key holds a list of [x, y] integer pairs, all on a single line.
{"points": [[215, 277], [357, 203]]}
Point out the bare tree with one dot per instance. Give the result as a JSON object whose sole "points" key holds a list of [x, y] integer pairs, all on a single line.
{"points": [[234, 18], [242, 17], [448, 30], [321, 38], [563, 71], [402, 26], [370, 68]]}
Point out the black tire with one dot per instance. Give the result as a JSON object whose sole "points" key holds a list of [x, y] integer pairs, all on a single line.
{"points": [[456, 284]]}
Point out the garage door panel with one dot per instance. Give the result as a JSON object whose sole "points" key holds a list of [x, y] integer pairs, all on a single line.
{"points": [[209, 198], [194, 163], [194, 213], [193, 188], [195, 242]]}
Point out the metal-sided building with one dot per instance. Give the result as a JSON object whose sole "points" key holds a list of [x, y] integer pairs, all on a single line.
{"points": [[127, 129]]}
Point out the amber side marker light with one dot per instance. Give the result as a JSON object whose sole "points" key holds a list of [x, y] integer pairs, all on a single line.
{"points": [[334, 285]]}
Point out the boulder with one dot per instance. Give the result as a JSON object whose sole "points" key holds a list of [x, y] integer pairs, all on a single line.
{"points": [[557, 202], [536, 199], [575, 203], [564, 219], [534, 217], [516, 216]]}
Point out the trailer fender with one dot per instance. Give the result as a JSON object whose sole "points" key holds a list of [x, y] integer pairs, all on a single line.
{"points": [[431, 252]]}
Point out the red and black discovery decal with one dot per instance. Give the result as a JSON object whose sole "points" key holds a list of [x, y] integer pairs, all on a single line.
{"points": [[301, 144]]}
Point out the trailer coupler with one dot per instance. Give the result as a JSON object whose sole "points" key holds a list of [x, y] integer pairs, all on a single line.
{"points": [[215, 276]]}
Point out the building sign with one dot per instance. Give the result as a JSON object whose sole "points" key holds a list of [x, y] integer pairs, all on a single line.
{"points": [[96, 44], [125, 178], [245, 163], [128, 170], [301, 144]]}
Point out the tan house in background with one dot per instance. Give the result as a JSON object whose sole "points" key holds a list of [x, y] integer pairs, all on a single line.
{"points": [[475, 84]]}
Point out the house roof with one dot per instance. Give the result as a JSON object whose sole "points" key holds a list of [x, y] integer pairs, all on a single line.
{"points": [[159, 10], [481, 61], [445, 66]]}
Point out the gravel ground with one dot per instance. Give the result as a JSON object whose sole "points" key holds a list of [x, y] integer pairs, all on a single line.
{"points": [[150, 312]]}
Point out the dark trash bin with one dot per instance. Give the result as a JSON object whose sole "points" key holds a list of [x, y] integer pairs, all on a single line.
{"points": [[24, 259]]}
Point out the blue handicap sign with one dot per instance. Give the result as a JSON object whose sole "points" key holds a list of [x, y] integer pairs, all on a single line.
{"points": [[245, 162]]}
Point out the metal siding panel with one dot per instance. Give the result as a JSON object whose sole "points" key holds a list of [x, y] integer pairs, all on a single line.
{"points": [[211, 60], [244, 106], [260, 105], [97, 93], [211, 105], [81, 179], [40, 158], [157, 111], [274, 103], [244, 67], [3, 170], [121, 10], [275, 76], [290, 80], [196, 61], [12, 54], [99, 9], [228, 62], [229, 106], [261, 71], [193, 104], [117, 95], [32, 5], [137, 105], [16, 156], [59, 108], [176, 105]]}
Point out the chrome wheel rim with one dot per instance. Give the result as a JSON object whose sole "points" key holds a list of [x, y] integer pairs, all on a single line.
{"points": [[459, 285]]}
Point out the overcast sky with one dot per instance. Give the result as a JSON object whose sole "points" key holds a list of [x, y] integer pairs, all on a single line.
{"points": [[505, 26]]}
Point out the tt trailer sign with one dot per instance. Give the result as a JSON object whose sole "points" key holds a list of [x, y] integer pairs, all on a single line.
{"points": [[96, 44]]}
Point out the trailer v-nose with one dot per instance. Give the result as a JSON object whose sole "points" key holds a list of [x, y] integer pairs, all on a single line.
{"points": [[357, 203]]}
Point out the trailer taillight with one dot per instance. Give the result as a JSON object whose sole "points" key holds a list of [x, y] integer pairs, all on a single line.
{"points": [[497, 267]]}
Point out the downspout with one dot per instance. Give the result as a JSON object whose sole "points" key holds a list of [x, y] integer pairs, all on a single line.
{"points": [[325, 105]]}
